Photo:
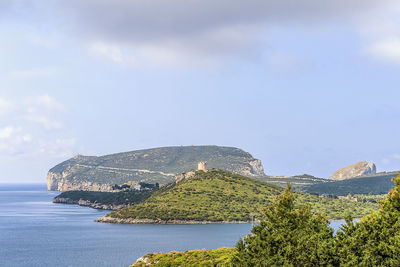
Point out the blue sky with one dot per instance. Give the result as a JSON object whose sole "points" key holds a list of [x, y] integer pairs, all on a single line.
{"points": [[305, 87]]}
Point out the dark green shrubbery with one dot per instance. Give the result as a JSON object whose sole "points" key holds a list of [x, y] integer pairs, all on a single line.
{"points": [[108, 198], [288, 237], [375, 241], [295, 237]]}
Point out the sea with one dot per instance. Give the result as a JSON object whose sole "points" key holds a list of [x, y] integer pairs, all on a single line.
{"points": [[36, 232]]}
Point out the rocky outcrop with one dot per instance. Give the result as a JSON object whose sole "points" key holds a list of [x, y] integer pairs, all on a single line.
{"points": [[355, 170], [60, 182], [183, 176], [256, 168]]}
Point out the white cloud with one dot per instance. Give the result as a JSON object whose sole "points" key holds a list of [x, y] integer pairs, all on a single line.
{"points": [[388, 50], [60, 148], [5, 106], [47, 123], [6, 132], [109, 51], [44, 101], [27, 138], [32, 73], [45, 111], [31, 129]]}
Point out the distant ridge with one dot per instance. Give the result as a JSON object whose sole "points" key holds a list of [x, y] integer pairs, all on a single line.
{"points": [[156, 165], [374, 184]]}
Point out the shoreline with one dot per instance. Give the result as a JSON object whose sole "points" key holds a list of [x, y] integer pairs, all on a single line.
{"points": [[86, 203], [111, 220]]}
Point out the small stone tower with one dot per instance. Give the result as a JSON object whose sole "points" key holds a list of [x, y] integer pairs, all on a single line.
{"points": [[202, 166]]}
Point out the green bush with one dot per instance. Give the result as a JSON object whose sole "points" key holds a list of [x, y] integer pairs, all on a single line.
{"points": [[288, 236]]}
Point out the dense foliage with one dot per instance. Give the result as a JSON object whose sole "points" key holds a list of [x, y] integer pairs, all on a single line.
{"points": [[288, 236], [108, 198], [210, 257], [223, 196], [375, 241], [295, 237]]}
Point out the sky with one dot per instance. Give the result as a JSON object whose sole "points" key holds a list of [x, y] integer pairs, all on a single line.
{"points": [[306, 86]]}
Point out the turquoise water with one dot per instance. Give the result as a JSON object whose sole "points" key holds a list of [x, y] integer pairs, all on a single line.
{"points": [[36, 232]]}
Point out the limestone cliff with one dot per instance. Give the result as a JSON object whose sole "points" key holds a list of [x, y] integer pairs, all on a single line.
{"points": [[157, 165], [355, 170]]}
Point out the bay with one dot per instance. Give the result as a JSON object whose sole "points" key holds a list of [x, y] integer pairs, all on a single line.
{"points": [[36, 232]]}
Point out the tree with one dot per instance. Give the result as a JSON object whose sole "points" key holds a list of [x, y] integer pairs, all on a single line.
{"points": [[288, 236], [375, 240]]}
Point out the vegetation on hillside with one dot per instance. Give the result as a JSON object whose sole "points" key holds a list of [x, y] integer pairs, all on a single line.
{"points": [[209, 257], [288, 236], [375, 240], [293, 236], [108, 198], [218, 196]]}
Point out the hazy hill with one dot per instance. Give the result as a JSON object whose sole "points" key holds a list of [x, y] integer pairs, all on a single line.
{"points": [[374, 184], [220, 196], [157, 165], [298, 182]]}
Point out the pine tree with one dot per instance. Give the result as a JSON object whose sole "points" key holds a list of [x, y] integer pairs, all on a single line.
{"points": [[288, 236], [375, 240]]}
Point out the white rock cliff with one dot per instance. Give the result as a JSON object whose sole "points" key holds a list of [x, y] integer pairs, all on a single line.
{"points": [[355, 170]]}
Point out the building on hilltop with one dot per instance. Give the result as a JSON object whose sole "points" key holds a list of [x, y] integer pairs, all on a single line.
{"points": [[202, 166]]}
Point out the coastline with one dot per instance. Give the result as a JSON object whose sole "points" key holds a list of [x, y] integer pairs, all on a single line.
{"points": [[86, 203], [112, 220]]}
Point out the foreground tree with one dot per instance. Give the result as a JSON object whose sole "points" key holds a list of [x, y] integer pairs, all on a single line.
{"points": [[375, 240], [289, 236]]}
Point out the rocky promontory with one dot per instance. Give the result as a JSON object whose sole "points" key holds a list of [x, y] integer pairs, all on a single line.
{"points": [[358, 169], [156, 165]]}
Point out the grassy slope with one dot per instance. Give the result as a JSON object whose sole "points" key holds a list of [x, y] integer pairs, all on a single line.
{"points": [[207, 257], [222, 196]]}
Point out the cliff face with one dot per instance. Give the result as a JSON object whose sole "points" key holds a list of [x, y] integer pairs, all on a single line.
{"points": [[355, 170], [158, 165]]}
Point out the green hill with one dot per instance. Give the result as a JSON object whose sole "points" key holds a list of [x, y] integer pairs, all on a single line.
{"points": [[220, 196], [157, 165], [373, 184]]}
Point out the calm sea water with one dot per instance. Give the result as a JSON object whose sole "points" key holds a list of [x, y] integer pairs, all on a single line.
{"points": [[36, 232]]}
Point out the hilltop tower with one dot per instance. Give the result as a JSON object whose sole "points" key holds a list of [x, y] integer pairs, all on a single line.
{"points": [[202, 166]]}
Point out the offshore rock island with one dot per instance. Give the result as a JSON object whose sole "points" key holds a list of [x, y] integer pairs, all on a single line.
{"points": [[157, 165]]}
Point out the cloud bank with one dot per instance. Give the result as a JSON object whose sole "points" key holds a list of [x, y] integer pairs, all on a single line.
{"points": [[176, 32]]}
